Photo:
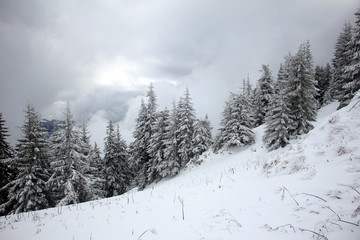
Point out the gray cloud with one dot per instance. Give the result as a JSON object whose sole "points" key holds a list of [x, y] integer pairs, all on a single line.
{"points": [[112, 101], [52, 52]]}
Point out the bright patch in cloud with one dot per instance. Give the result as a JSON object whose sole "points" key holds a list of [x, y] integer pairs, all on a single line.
{"points": [[121, 73]]}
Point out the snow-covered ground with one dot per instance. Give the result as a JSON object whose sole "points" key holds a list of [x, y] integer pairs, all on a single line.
{"points": [[308, 190]]}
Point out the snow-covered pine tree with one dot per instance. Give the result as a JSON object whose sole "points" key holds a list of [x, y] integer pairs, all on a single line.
{"points": [[6, 156], [139, 155], [171, 165], [96, 172], [340, 60], [116, 172], [142, 135], [202, 138], [157, 146], [323, 77], [28, 191], [264, 93], [236, 124], [85, 141], [300, 91], [248, 90], [220, 138], [151, 107], [151, 129], [249, 94], [185, 130], [278, 82], [5, 148], [69, 183], [93, 170], [127, 175], [278, 118], [132, 163], [110, 162], [352, 70]]}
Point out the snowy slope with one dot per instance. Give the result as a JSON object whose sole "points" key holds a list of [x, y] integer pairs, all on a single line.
{"points": [[308, 190]]}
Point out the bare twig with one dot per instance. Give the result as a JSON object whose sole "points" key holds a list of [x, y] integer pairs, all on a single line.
{"points": [[152, 189], [284, 188], [355, 224], [175, 197], [339, 218], [312, 195], [234, 221], [143, 234], [356, 212], [350, 187], [286, 225], [282, 227], [353, 106], [335, 224], [318, 234], [153, 231], [182, 207]]}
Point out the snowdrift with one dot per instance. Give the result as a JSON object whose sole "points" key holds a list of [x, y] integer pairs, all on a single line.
{"points": [[307, 190]]}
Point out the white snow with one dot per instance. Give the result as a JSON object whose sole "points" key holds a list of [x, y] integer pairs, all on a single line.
{"points": [[309, 186]]}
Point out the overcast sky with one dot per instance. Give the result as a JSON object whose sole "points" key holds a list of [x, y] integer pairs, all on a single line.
{"points": [[101, 55]]}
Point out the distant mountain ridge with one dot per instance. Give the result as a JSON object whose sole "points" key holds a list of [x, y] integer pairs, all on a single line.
{"points": [[50, 126]]}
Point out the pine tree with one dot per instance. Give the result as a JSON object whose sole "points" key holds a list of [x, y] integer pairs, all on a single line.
{"points": [[123, 154], [142, 135], [5, 148], [96, 172], [110, 162], [93, 171], [202, 138], [139, 154], [323, 77], [151, 106], [6, 155], [300, 91], [116, 171], [236, 124], [85, 141], [352, 69], [69, 182], [265, 90], [185, 129], [220, 138], [278, 83], [28, 192], [249, 94], [340, 61], [171, 165], [157, 146], [278, 122]]}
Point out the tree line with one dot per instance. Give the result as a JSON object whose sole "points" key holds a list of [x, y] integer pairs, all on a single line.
{"points": [[46, 170]]}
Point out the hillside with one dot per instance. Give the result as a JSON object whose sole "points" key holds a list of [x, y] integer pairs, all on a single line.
{"points": [[307, 190]]}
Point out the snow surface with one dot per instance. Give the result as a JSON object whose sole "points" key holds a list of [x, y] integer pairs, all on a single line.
{"points": [[309, 186]]}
